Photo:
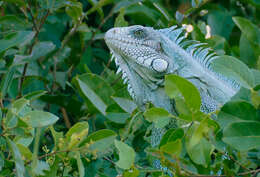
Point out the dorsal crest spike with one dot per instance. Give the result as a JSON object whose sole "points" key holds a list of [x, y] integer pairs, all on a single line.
{"points": [[199, 52]]}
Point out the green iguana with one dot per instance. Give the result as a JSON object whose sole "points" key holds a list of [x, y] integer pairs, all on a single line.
{"points": [[145, 55]]}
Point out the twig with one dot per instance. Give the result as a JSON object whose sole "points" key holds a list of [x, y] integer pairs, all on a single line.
{"points": [[31, 47], [65, 117], [116, 80], [63, 44], [1, 103], [238, 174], [99, 27], [234, 160], [107, 159]]}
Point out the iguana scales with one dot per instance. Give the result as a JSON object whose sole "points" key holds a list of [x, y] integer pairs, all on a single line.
{"points": [[145, 55]]}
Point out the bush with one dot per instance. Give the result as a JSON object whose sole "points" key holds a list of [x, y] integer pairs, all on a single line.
{"points": [[64, 111]]}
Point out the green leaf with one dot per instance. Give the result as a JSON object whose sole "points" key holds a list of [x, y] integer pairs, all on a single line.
{"points": [[77, 134], [220, 22], [198, 147], [119, 118], [126, 155], [41, 167], [171, 135], [100, 140], [126, 104], [16, 39], [256, 74], [120, 20], [41, 49], [159, 116], [201, 152], [25, 152], [235, 111], [6, 82], [243, 136], [13, 22], [234, 69], [74, 10], [96, 90], [40, 118], [17, 2], [2, 162], [131, 173], [248, 29], [97, 6], [80, 165], [173, 148], [34, 95], [175, 84], [19, 164], [248, 53], [19, 104], [77, 128]]}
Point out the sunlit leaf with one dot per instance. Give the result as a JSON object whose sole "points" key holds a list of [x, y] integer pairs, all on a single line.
{"points": [[175, 84], [160, 117], [16, 39], [40, 118], [246, 132], [234, 69], [100, 140], [126, 155], [19, 164]]}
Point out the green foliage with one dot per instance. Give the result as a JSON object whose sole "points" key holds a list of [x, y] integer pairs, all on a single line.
{"points": [[64, 111]]}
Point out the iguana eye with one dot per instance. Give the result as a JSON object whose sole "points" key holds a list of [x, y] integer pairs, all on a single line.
{"points": [[139, 33]]}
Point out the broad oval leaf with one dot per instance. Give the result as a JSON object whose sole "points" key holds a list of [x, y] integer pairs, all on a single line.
{"points": [[40, 118], [16, 39], [173, 148], [159, 116], [77, 134], [172, 135], [234, 69], [96, 90], [246, 132], [250, 30], [235, 111], [19, 164], [197, 146], [175, 84], [126, 155], [100, 140]]}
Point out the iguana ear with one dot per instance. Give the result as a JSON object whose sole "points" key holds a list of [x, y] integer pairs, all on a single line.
{"points": [[160, 65]]}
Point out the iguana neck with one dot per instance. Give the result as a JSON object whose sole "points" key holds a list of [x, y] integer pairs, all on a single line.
{"points": [[143, 91]]}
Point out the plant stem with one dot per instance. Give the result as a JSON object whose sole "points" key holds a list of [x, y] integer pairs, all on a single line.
{"points": [[36, 148]]}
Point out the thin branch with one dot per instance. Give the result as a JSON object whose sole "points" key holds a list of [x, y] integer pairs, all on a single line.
{"points": [[234, 160], [238, 174], [109, 160], [99, 27], [66, 117], [34, 42], [1, 103], [63, 44]]}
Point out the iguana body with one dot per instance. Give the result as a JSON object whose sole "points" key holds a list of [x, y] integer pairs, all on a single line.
{"points": [[144, 55]]}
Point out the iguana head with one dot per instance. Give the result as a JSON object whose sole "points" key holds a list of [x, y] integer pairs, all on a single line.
{"points": [[139, 55]]}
